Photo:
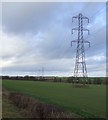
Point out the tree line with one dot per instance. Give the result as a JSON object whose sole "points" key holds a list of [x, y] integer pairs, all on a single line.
{"points": [[88, 80]]}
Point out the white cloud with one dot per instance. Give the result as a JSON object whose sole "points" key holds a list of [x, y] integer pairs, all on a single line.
{"points": [[97, 58], [12, 46]]}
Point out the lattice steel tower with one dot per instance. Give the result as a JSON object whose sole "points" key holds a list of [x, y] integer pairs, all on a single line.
{"points": [[80, 64]]}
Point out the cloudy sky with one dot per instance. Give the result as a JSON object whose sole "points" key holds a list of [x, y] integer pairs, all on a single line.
{"points": [[38, 35]]}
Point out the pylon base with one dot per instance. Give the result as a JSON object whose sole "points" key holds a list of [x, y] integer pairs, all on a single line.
{"points": [[78, 85]]}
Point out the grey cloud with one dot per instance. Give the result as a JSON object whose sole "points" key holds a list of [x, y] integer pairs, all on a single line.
{"points": [[32, 17], [45, 30], [23, 17]]}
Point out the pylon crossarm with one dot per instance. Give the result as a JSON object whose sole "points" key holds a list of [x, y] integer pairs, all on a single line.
{"points": [[87, 42], [74, 17], [74, 29], [86, 18], [72, 42], [86, 30]]}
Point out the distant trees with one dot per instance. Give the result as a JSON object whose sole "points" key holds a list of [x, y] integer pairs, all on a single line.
{"points": [[89, 80], [57, 79], [6, 77], [70, 79], [99, 81]]}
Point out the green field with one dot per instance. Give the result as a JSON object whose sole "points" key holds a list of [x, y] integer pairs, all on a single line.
{"points": [[87, 102]]}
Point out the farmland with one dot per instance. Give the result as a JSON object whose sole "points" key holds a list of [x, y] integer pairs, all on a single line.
{"points": [[86, 102]]}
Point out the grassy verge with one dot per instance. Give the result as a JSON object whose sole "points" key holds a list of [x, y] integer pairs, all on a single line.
{"points": [[9, 110], [30, 108]]}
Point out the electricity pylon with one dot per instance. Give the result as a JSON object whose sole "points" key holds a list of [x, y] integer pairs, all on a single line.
{"points": [[80, 64]]}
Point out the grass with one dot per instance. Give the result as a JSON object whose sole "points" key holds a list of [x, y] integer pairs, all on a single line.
{"points": [[9, 110], [87, 102]]}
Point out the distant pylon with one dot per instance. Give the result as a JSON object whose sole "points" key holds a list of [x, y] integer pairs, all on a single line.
{"points": [[42, 71], [80, 64]]}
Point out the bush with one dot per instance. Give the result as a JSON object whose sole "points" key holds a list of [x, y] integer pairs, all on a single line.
{"points": [[36, 109]]}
